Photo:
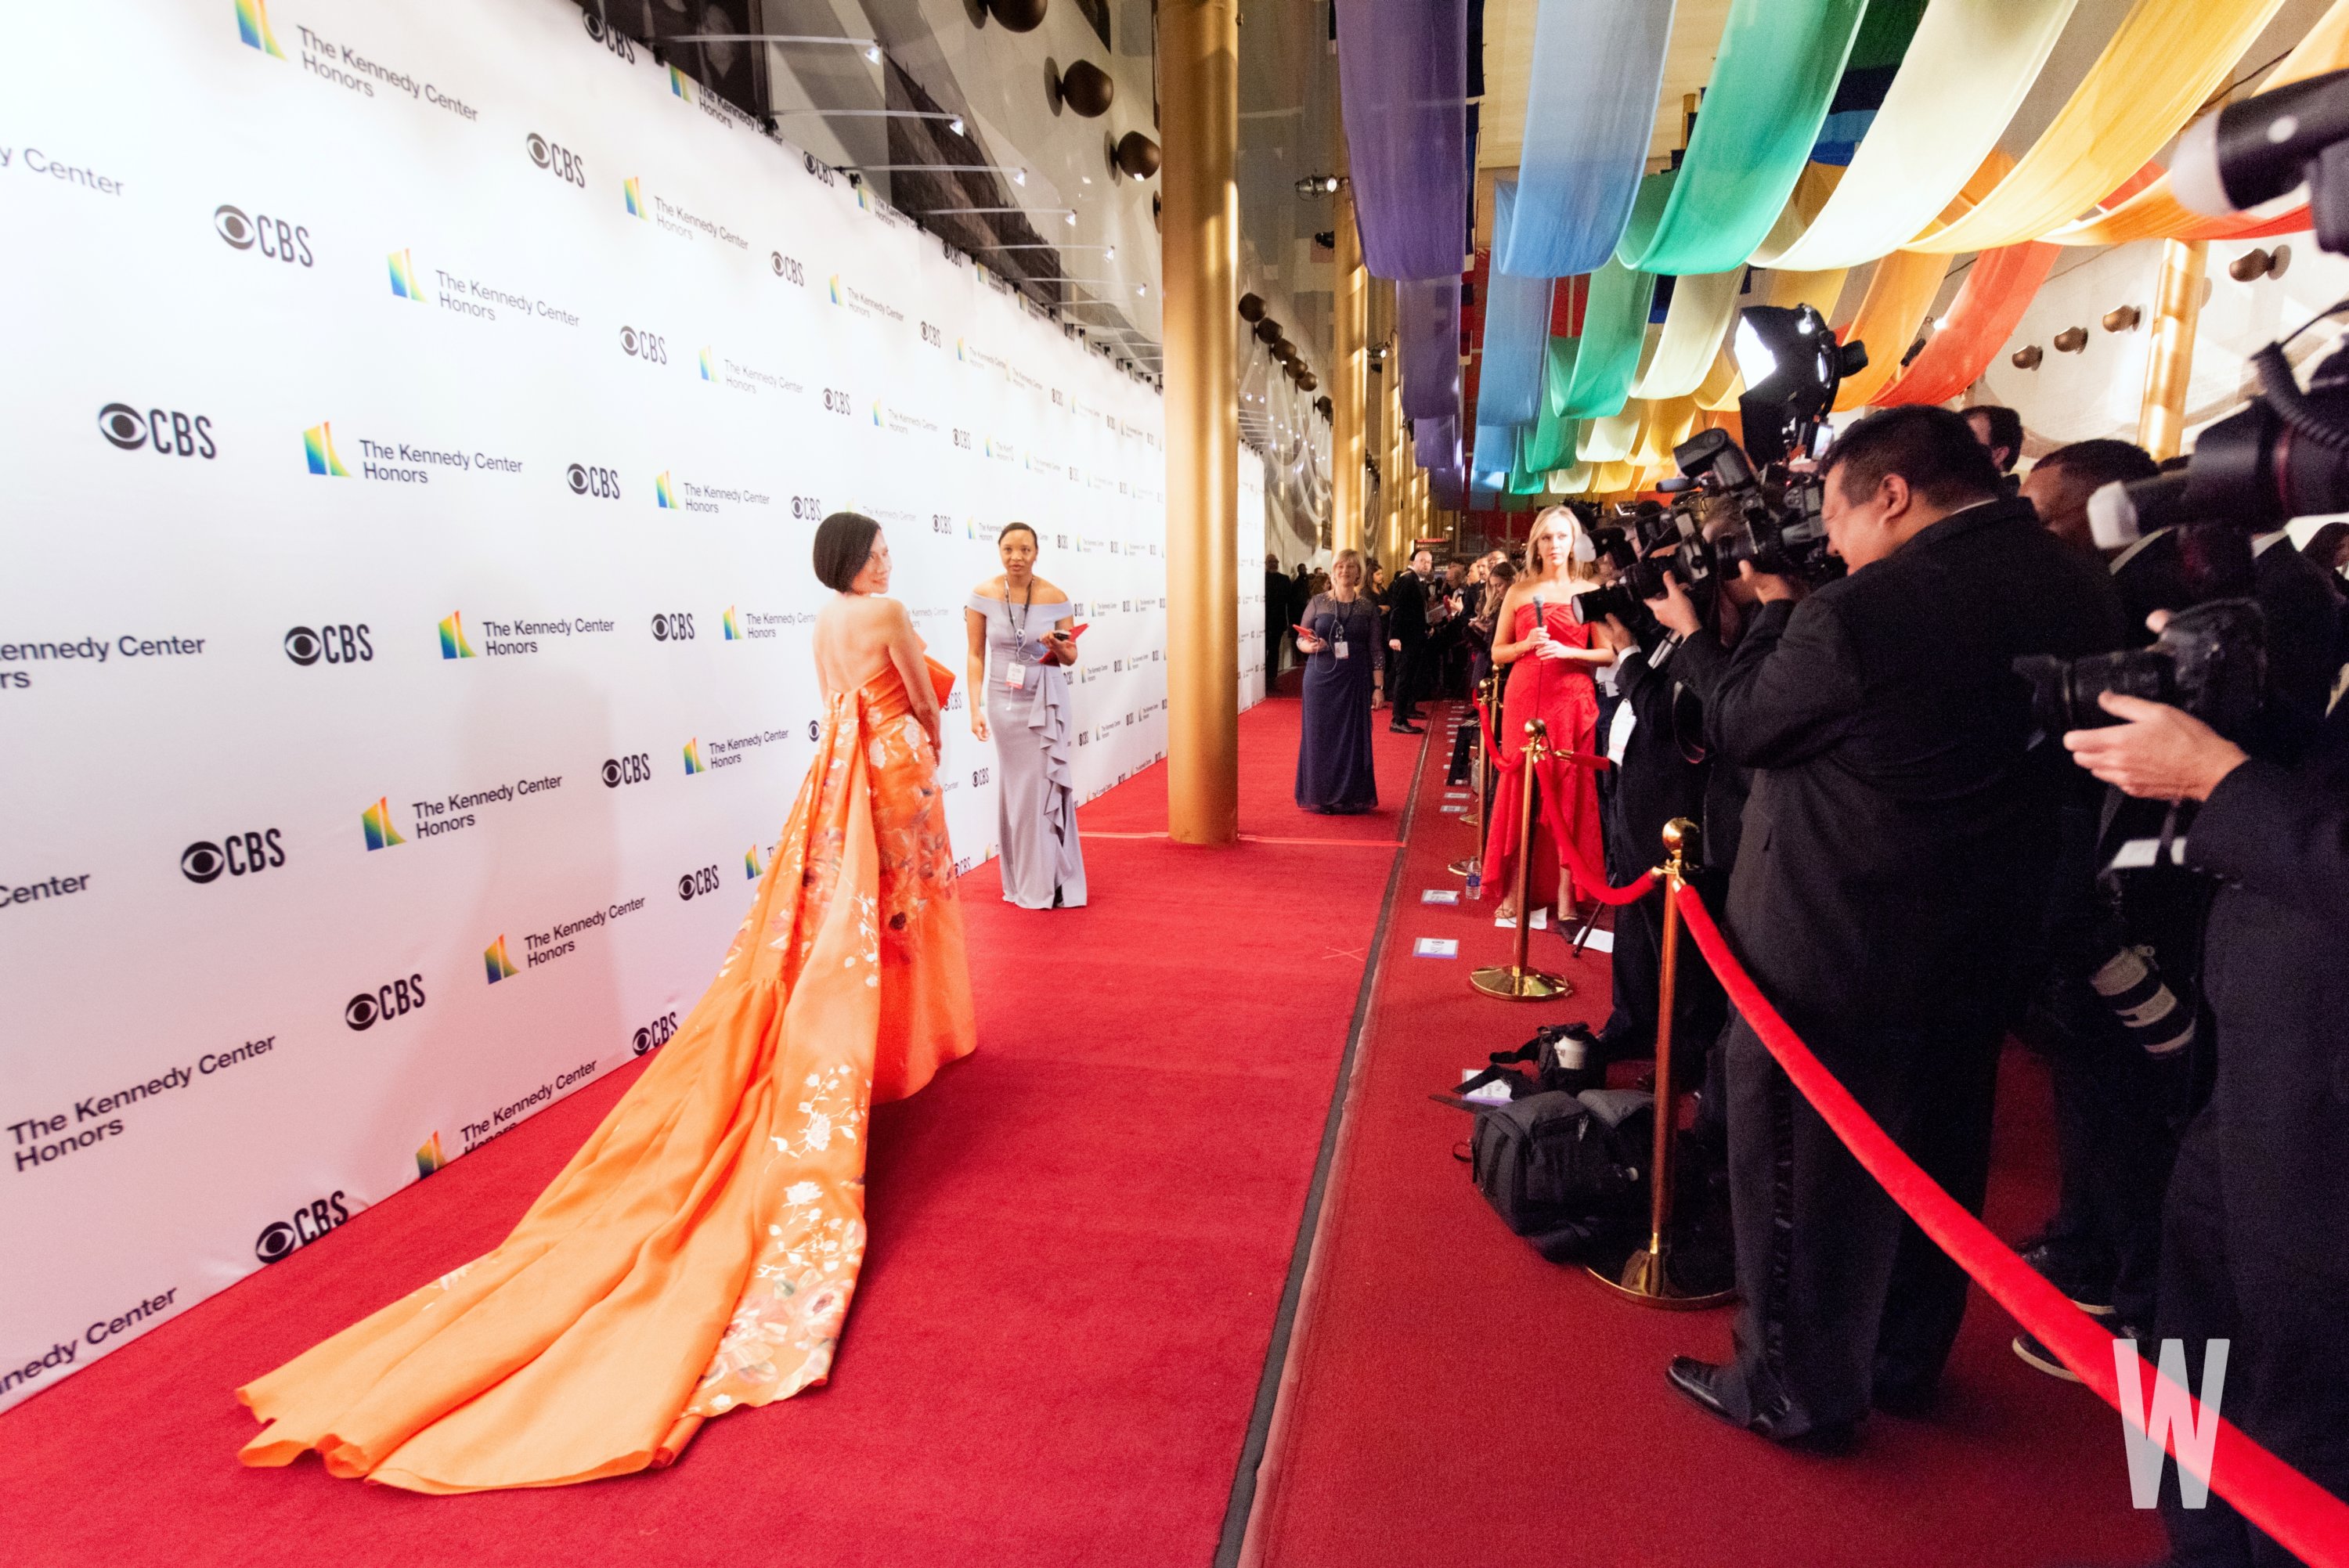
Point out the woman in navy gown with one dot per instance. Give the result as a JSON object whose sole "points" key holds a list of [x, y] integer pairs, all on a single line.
{"points": [[1340, 637]]}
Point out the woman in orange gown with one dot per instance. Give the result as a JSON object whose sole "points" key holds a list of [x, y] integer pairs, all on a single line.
{"points": [[698, 1254], [1549, 655]]}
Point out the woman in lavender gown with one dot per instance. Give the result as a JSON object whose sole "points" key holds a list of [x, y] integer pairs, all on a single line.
{"points": [[1339, 634], [1021, 643]]}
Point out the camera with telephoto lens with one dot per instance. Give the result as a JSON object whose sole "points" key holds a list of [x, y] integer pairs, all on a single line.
{"points": [[1632, 544], [2210, 659], [1619, 597], [1779, 527]]}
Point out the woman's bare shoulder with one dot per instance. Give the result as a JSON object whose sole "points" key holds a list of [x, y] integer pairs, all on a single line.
{"points": [[1048, 591], [991, 588]]}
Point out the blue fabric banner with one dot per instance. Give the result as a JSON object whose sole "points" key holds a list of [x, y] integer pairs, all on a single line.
{"points": [[1516, 332], [1590, 110]]}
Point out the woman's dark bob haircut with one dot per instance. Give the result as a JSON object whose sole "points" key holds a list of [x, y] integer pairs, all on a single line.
{"points": [[843, 543], [1011, 527]]}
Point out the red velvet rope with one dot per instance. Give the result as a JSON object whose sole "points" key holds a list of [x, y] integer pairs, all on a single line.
{"points": [[1589, 882], [2305, 1518]]}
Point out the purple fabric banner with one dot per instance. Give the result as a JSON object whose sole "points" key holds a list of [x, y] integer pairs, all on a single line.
{"points": [[1402, 68], [1436, 442], [1427, 341]]}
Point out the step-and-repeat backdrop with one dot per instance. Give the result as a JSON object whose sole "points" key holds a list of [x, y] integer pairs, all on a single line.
{"points": [[415, 419]]}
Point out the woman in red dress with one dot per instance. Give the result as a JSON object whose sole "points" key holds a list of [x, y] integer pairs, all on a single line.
{"points": [[1549, 655]]}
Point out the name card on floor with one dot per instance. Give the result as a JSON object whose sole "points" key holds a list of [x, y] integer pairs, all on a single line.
{"points": [[1440, 895], [1437, 947]]}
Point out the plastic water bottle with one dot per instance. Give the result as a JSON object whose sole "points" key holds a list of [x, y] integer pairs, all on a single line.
{"points": [[1475, 886]]}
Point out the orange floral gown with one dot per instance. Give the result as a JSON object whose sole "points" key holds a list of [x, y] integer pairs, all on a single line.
{"points": [[698, 1254]]}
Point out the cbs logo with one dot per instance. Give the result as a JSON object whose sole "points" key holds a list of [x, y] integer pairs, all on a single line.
{"points": [[276, 238], [654, 1035], [309, 1222], [237, 854], [677, 626], [400, 997], [167, 432], [645, 345], [633, 768], [559, 162], [334, 645], [603, 484]]}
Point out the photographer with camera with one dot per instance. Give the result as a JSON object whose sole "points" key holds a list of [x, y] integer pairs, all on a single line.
{"points": [[1896, 842], [2253, 1251]]}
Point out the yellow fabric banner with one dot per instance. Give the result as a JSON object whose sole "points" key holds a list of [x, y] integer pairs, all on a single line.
{"points": [[2153, 213], [1695, 325], [2163, 65], [1966, 72]]}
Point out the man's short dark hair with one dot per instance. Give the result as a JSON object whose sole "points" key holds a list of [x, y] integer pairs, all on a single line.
{"points": [[1932, 449], [2006, 430], [843, 543], [2101, 462]]}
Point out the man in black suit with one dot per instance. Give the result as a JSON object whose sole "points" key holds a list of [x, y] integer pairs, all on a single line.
{"points": [[1278, 614], [1900, 834], [1407, 641], [2253, 1251]]}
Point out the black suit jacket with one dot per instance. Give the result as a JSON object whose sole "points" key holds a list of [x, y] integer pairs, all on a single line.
{"points": [[1901, 826], [1702, 663], [2279, 838], [1407, 610], [2303, 611], [1663, 774]]}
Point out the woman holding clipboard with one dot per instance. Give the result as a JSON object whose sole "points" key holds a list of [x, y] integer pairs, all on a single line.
{"points": [[1339, 635], [1023, 637]]}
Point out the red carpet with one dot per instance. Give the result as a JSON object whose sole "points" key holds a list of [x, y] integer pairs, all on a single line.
{"points": [[1451, 1398], [1080, 1237]]}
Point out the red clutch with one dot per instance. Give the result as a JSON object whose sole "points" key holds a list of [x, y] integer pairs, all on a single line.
{"points": [[942, 679]]}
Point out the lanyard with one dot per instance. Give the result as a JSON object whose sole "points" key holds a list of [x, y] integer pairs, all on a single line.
{"points": [[1018, 622]]}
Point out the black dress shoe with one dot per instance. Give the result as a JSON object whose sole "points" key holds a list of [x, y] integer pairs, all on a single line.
{"points": [[1700, 1381], [1401, 729]]}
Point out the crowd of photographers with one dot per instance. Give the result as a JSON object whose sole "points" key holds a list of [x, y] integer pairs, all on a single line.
{"points": [[1963, 774]]}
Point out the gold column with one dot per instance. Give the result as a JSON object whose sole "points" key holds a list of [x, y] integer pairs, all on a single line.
{"points": [[2169, 359], [1350, 328], [1198, 56]]}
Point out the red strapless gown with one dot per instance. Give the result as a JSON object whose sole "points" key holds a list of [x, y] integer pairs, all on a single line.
{"points": [[1565, 697]]}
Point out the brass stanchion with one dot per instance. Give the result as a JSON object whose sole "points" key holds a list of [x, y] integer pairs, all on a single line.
{"points": [[1519, 981], [1473, 865], [1646, 1277]]}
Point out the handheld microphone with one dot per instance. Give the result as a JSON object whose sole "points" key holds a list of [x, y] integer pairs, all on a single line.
{"points": [[2258, 149]]}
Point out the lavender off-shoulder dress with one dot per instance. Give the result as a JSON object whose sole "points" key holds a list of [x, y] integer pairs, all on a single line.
{"points": [[1034, 725]]}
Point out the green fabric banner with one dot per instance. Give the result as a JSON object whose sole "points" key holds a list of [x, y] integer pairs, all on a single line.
{"points": [[1548, 442], [1614, 330], [1772, 82]]}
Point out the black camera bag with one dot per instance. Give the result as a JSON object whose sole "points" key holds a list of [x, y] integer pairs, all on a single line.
{"points": [[1565, 1172]]}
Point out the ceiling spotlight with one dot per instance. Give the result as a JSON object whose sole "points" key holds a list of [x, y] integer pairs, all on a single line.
{"points": [[1020, 177], [954, 125], [872, 54], [1111, 254], [1071, 219], [1319, 185], [1142, 288]]}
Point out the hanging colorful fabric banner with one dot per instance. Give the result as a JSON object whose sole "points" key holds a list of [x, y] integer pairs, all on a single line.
{"points": [[1548, 442], [1517, 330], [2154, 213], [1966, 72], [1614, 331], [1611, 439], [1704, 306], [1900, 292], [1779, 63], [1590, 109], [1867, 76], [1427, 341], [1998, 287], [1435, 443], [1403, 72], [1493, 454], [2163, 64]]}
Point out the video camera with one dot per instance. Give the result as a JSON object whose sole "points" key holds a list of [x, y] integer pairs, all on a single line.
{"points": [[1779, 527], [2284, 455], [1633, 542]]}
